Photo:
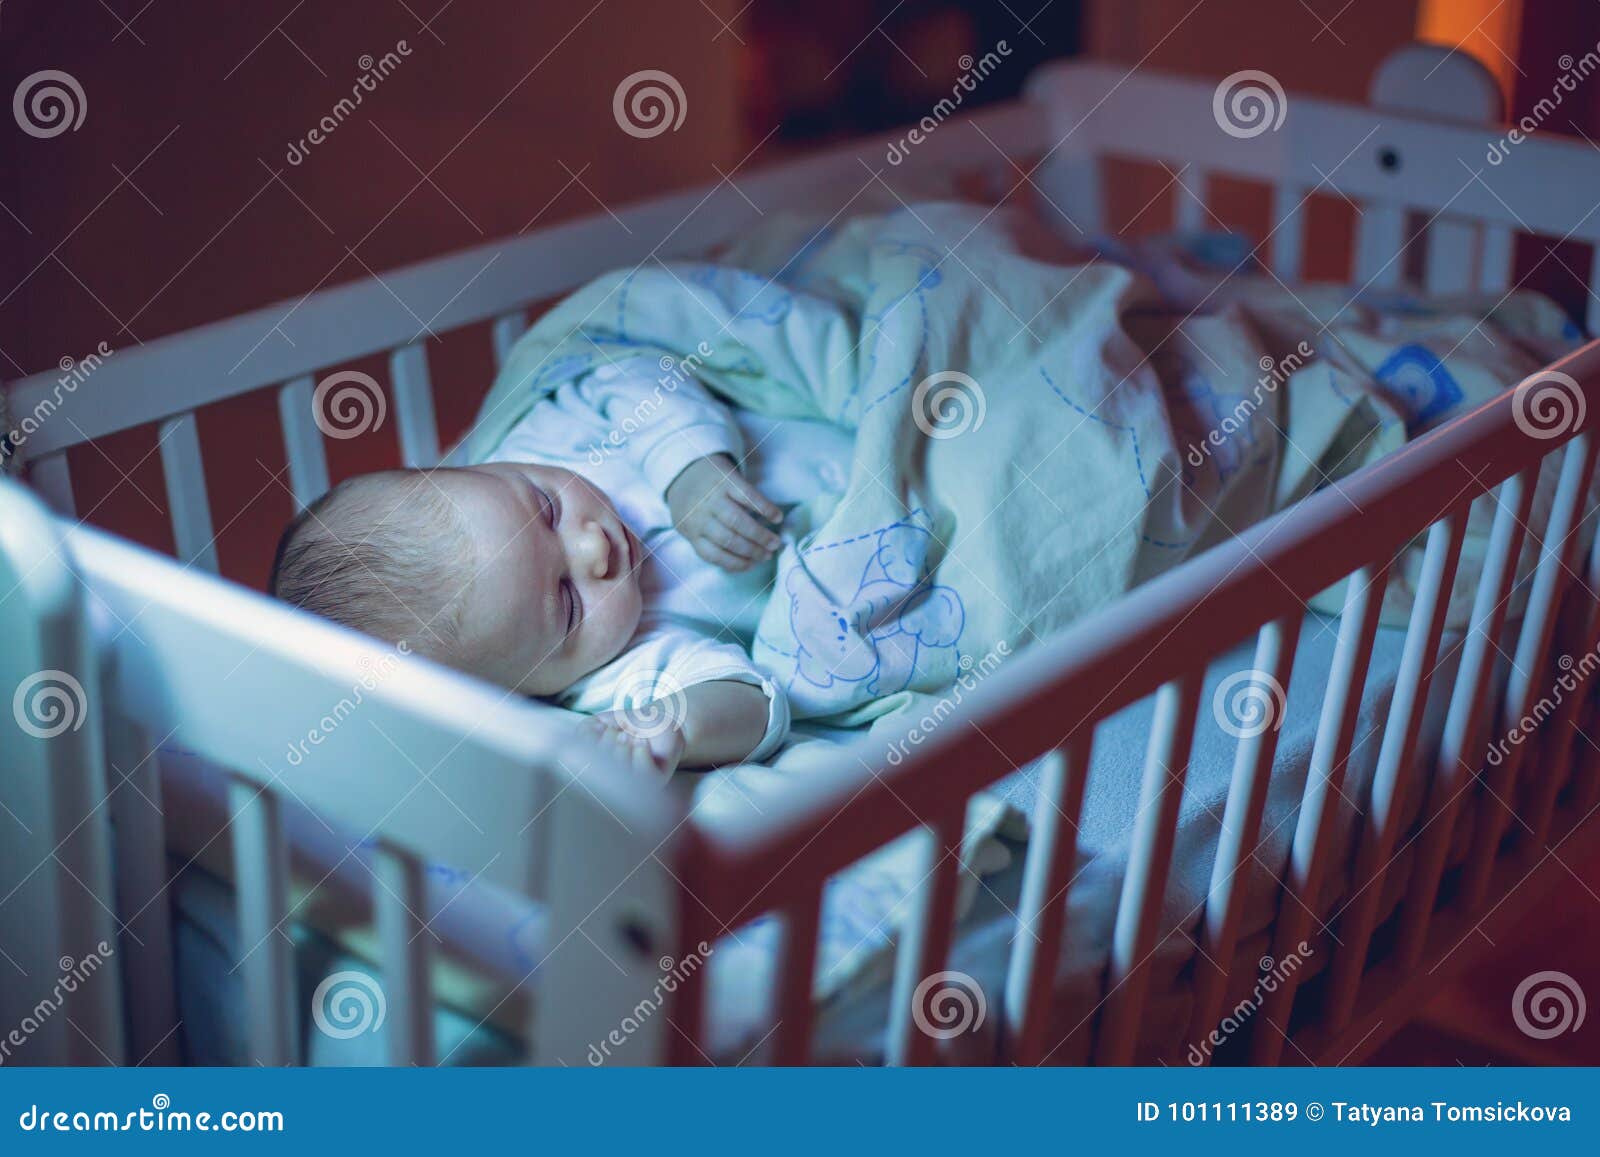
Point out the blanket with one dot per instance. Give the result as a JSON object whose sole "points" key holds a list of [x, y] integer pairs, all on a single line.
{"points": [[1035, 433]]}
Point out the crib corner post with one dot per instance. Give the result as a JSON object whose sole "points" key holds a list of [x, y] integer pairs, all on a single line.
{"points": [[55, 837], [608, 969], [1070, 175]]}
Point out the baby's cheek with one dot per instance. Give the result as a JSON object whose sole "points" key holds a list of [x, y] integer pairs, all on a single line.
{"points": [[612, 623], [522, 652], [632, 607]]}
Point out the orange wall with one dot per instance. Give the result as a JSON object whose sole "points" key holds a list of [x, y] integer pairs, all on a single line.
{"points": [[1488, 29]]}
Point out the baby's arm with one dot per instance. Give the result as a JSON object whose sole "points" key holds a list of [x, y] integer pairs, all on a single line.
{"points": [[723, 722], [659, 422], [686, 700]]}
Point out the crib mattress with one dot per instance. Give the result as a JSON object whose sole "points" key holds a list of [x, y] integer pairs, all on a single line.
{"points": [[503, 939]]}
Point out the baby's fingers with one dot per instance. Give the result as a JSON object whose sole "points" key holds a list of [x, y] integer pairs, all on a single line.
{"points": [[666, 749], [746, 495], [717, 556], [719, 535], [740, 522], [641, 758], [631, 750]]}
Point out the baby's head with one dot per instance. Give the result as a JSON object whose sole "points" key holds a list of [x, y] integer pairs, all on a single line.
{"points": [[523, 575]]}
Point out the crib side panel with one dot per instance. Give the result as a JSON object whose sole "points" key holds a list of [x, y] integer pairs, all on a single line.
{"points": [[420, 765], [1152, 639]]}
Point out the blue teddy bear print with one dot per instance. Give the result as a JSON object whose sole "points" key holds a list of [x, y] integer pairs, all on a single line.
{"points": [[876, 638]]}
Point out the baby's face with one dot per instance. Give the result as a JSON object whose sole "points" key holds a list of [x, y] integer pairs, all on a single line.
{"points": [[556, 589]]}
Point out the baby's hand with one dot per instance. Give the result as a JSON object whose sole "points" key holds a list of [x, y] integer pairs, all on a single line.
{"points": [[719, 513], [656, 754]]}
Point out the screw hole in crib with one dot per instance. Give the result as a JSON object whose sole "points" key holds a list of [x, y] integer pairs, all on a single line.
{"points": [[639, 937], [1389, 159]]}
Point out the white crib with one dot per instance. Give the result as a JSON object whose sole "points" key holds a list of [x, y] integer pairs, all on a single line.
{"points": [[154, 653]]}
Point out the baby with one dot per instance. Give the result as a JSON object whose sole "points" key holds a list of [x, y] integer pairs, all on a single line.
{"points": [[610, 556]]}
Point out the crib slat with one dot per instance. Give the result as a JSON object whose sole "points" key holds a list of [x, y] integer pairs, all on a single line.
{"points": [[261, 877], [542, 842], [791, 1012], [133, 788], [1075, 180], [1042, 911], [1586, 772], [926, 942], [1150, 859], [186, 492], [1451, 247], [507, 328], [400, 896], [686, 1042], [1495, 258], [302, 442], [1288, 230], [1312, 848], [1460, 744], [1529, 667], [1556, 550], [1241, 825], [1189, 206], [413, 404], [49, 475], [1396, 764], [1591, 316], [1556, 758], [1380, 235]]}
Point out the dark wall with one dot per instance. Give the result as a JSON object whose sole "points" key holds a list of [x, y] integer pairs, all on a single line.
{"points": [[175, 202]]}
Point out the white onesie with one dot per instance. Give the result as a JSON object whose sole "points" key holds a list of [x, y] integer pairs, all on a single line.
{"points": [[630, 429]]}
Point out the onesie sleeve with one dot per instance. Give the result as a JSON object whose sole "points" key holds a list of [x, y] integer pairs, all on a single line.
{"points": [[661, 423]]}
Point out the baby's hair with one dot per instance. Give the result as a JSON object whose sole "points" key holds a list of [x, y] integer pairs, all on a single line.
{"points": [[380, 553]]}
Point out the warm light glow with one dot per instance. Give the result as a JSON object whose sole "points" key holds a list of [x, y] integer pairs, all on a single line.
{"points": [[1486, 29]]}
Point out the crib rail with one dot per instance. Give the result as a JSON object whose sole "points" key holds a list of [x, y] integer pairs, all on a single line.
{"points": [[1049, 698]]}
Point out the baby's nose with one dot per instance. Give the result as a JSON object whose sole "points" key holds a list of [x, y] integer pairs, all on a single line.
{"points": [[595, 546]]}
